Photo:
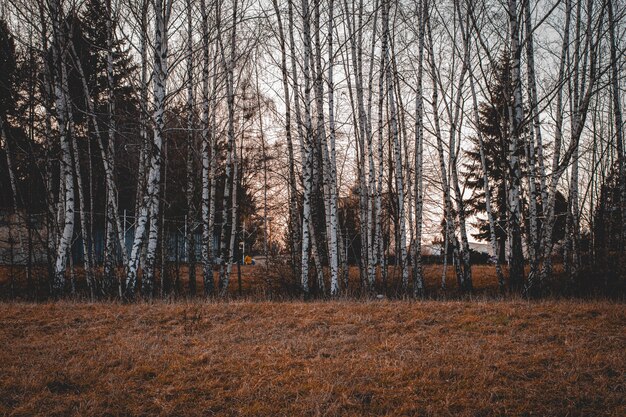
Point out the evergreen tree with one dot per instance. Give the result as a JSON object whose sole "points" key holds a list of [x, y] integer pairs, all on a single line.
{"points": [[494, 124], [90, 45], [607, 219], [8, 66]]}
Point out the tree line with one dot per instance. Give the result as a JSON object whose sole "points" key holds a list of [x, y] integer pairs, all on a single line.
{"points": [[363, 130]]}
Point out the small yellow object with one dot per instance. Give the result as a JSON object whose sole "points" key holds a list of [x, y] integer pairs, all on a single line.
{"points": [[247, 260]]}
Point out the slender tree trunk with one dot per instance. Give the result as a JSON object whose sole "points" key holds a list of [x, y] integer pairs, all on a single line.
{"points": [[307, 160], [535, 140], [207, 155], [115, 232], [87, 262], [67, 174], [533, 286], [587, 89], [303, 141], [231, 162], [449, 222], [380, 244], [516, 270], [321, 144], [455, 129], [399, 173], [619, 129], [294, 226], [214, 155], [160, 89], [149, 213], [144, 148], [333, 244], [111, 209], [190, 241], [14, 195], [418, 279], [367, 267]]}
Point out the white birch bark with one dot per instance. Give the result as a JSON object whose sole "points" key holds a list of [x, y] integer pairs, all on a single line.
{"points": [[67, 174], [516, 270], [207, 155], [149, 212], [535, 140], [223, 248], [307, 160], [321, 145], [113, 225], [334, 260], [47, 92], [399, 173], [82, 215], [418, 279], [160, 74], [144, 149], [371, 178], [231, 161], [209, 280], [380, 246], [190, 167]]}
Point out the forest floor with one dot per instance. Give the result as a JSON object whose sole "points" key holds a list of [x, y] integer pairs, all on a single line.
{"points": [[457, 358]]}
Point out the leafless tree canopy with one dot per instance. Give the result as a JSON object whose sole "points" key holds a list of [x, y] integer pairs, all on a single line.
{"points": [[152, 147]]}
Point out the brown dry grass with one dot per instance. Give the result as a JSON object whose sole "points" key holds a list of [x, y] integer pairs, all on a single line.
{"points": [[319, 358]]}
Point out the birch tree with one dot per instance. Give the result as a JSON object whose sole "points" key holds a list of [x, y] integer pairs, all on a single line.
{"points": [[149, 214], [307, 157], [399, 175], [67, 174], [617, 119], [332, 243], [190, 242], [294, 217], [227, 246], [418, 279], [516, 263], [208, 166]]}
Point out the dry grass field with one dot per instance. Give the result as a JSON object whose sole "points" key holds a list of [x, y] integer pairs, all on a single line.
{"points": [[455, 358]]}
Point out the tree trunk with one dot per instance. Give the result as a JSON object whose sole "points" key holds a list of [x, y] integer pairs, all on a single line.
{"points": [[67, 174], [231, 162], [619, 129], [190, 244], [418, 279], [149, 213], [516, 270], [333, 244], [399, 173], [294, 227], [207, 178]]}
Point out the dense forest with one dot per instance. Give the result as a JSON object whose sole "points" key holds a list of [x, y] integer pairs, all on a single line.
{"points": [[149, 146]]}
